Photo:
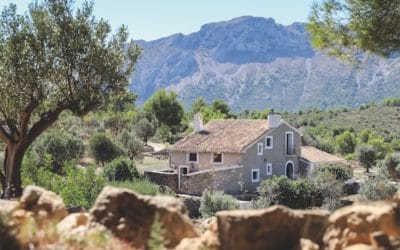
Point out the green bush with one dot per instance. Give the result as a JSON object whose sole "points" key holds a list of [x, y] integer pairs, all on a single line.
{"points": [[120, 169], [78, 186], [61, 147], [346, 143], [214, 201], [103, 149], [298, 193], [339, 172], [132, 145], [143, 186], [378, 188]]}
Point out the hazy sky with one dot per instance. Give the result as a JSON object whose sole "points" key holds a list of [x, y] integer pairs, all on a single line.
{"points": [[152, 19]]}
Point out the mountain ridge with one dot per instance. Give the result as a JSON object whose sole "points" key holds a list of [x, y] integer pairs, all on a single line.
{"points": [[256, 63]]}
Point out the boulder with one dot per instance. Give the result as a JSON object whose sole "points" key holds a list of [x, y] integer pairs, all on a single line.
{"points": [[129, 216], [69, 224], [355, 224], [7, 206], [277, 227], [190, 244], [351, 187], [45, 205]]}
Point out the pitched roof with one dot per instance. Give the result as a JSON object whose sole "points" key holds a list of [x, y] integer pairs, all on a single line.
{"points": [[314, 155], [225, 136]]}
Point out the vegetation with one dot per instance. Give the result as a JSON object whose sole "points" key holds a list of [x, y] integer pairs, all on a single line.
{"points": [[338, 172], [103, 149], [214, 201], [378, 188], [345, 27], [143, 186], [120, 169], [53, 59], [366, 154], [61, 147]]}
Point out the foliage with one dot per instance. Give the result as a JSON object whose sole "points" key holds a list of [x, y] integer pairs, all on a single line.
{"points": [[392, 165], [52, 59], [198, 104], [329, 185], [120, 169], [163, 134], [394, 101], [146, 125], [60, 146], [157, 239], [378, 188], [366, 155], [346, 142], [298, 193], [339, 172], [219, 106], [166, 108], [78, 187], [214, 201], [103, 149], [131, 145], [144, 186], [345, 27]]}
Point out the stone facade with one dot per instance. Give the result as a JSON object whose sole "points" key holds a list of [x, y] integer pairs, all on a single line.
{"points": [[204, 160]]}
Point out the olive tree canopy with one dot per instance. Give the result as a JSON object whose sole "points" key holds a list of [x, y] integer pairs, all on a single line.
{"points": [[53, 58]]}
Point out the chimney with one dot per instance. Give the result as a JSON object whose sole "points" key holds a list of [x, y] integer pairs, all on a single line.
{"points": [[198, 123], [274, 121]]}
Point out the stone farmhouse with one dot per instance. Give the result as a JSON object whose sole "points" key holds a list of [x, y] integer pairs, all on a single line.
{"points": [[236, 156]]}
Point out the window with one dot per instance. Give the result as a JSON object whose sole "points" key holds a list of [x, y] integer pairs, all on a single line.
{"points": [[268, 142], [217, 158], [289, 143], [255, 175], [269, 169], [259, 149], [192, 157]]}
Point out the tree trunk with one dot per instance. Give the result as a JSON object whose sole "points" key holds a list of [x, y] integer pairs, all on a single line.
{"points": [[12, 168]]}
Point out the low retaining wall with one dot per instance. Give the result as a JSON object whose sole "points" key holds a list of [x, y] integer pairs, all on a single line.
{"points": [[163, 178]]}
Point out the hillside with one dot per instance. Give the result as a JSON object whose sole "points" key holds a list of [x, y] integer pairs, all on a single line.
{"points": [[255, 63]]}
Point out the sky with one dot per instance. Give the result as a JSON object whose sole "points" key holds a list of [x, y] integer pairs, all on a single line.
{"points": [[153, 19]]}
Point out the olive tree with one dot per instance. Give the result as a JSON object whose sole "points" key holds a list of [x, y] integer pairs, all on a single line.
{"points": [[53, 58]]}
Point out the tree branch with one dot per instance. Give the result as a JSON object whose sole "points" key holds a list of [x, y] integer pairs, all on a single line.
{"points": [[4, 136], [45, 122], [26, 116]]}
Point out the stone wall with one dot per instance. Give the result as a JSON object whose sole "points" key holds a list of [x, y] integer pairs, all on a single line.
{"points": [[163, 178], [225, 179]]}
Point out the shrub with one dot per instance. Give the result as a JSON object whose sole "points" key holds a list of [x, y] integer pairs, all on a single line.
{"points": [[78, 186], [120, 169], [143, 186], [103, 149], [214, 201], [346, 142], [163, 134], [328, 182], [392, 165], [339, 172], [378, 188], [299, 193], [61, 147]]}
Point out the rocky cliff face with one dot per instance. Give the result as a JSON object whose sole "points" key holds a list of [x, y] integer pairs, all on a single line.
{"points": [[122, 219], [255, 63]]}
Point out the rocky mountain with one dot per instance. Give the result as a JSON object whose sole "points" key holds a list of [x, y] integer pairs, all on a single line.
{"points": [[256, 63]]}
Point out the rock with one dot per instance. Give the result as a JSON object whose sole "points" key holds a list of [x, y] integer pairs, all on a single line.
{"points": [[361, 247], [192, 204], [277, 227], [351, 187], [190, 244], [354, 224], [130, 216], [45, 205], [71, 222], [306, 244], [7, 206]]}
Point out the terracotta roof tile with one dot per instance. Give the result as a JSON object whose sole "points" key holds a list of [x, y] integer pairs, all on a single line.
{"points": [[228, 136], [314, 155]]}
